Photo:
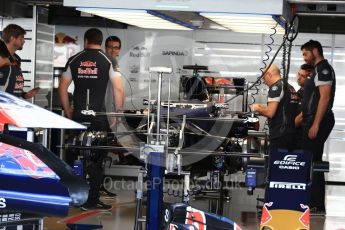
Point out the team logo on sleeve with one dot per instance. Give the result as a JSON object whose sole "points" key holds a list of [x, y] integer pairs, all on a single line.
{"points": [[325, 71], [274, 88]]}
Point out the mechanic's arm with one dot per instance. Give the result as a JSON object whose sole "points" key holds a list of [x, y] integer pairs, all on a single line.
{"points": [[268, 111], [31, 93], [298, 120], [118, 93], [325, 97], [63, 93]]}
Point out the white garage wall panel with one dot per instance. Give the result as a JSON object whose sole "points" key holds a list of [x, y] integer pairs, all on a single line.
{"points": [[44, 63], [155, 48]]}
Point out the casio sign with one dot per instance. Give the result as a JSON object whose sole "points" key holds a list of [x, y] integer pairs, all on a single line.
{"points": [[288, 185], [289, 162], [2, 203]]}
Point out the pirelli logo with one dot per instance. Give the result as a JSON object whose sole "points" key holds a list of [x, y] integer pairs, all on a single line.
{"points": [[288, 185]]}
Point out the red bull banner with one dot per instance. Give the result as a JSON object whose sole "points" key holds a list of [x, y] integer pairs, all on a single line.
{"points": [[287, 191]]}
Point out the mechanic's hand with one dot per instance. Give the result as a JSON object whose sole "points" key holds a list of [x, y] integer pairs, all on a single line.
{"points": [[314, 129], [116, 121], [254, 107], [32, 93], [113, 123], [69, 112]]}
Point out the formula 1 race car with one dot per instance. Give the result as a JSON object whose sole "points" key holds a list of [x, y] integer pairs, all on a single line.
{"points": [[35, 182]]}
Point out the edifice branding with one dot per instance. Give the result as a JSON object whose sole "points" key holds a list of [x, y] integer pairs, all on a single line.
{"points": [[290, 163]]}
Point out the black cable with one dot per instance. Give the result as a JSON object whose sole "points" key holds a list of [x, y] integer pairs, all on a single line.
{"points": [[130, 87], [291, 33], [283, 63], [268, 45], [264, 61], [293, 28], [259, 78], [294, 35], [287, 65], [289, 36]]}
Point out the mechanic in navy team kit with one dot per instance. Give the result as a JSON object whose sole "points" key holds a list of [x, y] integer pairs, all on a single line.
{"points": [[5, 64], [318, 117], [304, 72], [11, 77], [280, 110], [13, 36], [91, 70]]}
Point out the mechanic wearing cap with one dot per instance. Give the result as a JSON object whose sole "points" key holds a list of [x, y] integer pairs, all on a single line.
{"points": [[13, 36], [91, 70], [318, 118], [280, 110]]}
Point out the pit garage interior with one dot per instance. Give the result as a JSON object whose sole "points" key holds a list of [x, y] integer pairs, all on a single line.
{"points": [[210, 145]]}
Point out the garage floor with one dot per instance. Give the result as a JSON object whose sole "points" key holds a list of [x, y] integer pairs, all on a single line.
{"points": [[241, 209]]}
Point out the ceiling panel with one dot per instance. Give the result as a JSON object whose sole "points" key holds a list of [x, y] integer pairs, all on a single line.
{"points": [[316, 16]]}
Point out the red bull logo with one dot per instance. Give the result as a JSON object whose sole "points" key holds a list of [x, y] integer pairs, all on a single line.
{"points": [[266, 215], [305, 218], [88, 63], [88, 71]]}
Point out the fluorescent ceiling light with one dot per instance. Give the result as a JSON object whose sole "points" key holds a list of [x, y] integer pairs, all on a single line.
{"points": [[246, 23], [214, 26], [141, 18], [173, 6], [232, 49], [238, 73], [234, 56]]}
